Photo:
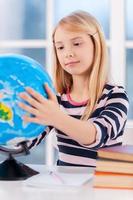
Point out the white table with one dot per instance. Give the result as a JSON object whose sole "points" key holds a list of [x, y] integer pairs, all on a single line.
{"points": [[16, 190]]}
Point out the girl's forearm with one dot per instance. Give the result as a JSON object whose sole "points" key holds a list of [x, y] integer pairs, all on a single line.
{"points": [[83, 132]]}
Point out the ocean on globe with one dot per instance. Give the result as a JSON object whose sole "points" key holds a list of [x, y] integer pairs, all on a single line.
{"points": [[16, 73]]}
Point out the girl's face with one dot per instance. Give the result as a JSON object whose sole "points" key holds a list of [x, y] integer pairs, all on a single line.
{"points": [[75, 51]]}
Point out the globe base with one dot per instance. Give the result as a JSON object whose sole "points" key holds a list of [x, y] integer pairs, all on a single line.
{"points": [[11, 169]]}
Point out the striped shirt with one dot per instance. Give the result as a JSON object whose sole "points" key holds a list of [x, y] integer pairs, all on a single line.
{"points": [[109, 118]]}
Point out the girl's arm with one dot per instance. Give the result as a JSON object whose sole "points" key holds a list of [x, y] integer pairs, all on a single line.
{"points": [[110, 123], [47, 112], [101, 131]]}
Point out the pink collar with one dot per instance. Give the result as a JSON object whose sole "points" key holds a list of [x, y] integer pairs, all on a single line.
{"points": [[74, 102]]}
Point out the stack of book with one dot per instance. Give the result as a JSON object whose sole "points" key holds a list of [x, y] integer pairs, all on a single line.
{"points": [[114, 168]]}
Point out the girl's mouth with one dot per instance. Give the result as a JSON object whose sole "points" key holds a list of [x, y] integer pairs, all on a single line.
{"points": [[72, 63]]}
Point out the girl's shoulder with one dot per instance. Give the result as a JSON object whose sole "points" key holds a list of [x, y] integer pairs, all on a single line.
{"points": [[114, 94], [113, 91], [113, 88]]}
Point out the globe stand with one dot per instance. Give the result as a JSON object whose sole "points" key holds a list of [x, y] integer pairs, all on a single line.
{"points": [[11, 169]]}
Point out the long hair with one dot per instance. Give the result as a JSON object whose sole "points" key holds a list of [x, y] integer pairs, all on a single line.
{"points": [[81, 21]]}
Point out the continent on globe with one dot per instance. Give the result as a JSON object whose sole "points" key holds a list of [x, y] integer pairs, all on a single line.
{"points": [[5, 112], [16, 73]]}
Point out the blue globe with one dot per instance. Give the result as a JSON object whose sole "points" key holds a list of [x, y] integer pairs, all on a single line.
{"points": [[16, 73]]}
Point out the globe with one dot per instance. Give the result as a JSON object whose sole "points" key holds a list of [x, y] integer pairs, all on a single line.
{"points": [[16, 73]]}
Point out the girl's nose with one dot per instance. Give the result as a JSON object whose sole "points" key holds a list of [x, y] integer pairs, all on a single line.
{"points": [[69, 55]]}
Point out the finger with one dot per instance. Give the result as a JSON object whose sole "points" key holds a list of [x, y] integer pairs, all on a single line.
{"points": [[29, 109], [36, 95], [33, 102], [50, 93], [33, 120]]}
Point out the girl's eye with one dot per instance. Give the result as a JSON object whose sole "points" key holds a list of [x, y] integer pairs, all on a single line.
{"points": [[60, 48], [77, 43]]}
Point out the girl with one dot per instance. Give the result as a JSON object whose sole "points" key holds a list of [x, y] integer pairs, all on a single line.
{"points": [[89, 112]]}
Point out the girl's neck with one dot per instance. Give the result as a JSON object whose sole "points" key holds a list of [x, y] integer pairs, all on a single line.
{"points": [[79, 90], [79, 85]]}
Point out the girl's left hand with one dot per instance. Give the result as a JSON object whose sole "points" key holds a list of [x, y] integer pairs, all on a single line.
{"points": [[44, 111]]}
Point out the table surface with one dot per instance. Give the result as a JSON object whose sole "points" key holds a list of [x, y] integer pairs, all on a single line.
{"points": [[14, 190]]}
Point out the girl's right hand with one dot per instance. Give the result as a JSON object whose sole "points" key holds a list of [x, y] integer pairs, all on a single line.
{"points": [[44, 111]]}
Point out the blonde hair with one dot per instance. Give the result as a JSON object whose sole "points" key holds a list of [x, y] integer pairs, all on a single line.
{"points": [[81, 21]]}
